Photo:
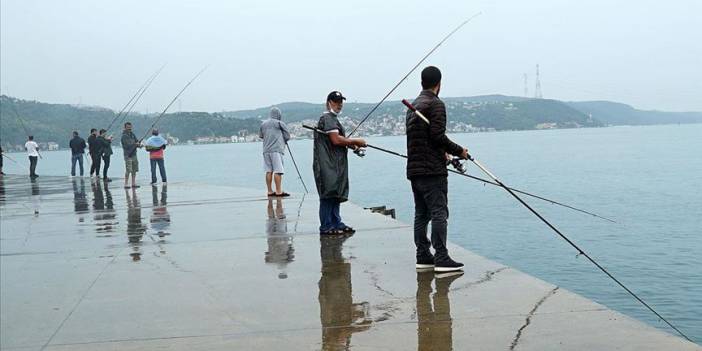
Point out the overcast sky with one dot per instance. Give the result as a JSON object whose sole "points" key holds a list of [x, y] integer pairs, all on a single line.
{"points": [[644, 53]]}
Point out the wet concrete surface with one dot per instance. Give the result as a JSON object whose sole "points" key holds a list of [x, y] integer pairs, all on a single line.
{"points": [[92, 266]]}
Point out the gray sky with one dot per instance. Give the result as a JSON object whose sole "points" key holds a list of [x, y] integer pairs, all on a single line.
{"points": [[641, 52]]}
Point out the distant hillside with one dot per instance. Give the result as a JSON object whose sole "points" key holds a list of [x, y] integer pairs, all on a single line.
{"points": [[614, 113], [55, 122], [490, 111]]}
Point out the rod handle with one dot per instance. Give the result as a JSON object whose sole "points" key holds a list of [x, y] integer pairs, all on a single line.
{"points": [[409, 105]]}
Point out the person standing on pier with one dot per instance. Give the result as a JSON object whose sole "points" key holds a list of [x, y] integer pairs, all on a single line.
{"points": [[106, 148], [130, 144], [155, 145], [33, 152], [77, 145], [428, 149], [1, 160], [275, 136], [95, 153], [330, 166]]}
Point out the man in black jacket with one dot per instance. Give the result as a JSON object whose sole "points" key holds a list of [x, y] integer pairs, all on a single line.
{"points": [[95, 153], [77, 145], [428, 149]]}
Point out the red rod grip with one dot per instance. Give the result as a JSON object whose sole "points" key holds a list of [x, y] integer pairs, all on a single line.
{"points": [[409, 105]]}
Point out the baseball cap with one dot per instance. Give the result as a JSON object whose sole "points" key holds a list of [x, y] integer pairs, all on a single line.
{"points": [[335, 96]]}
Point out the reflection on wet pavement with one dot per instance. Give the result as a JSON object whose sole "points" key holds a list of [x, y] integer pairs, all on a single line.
{"points": [[135, 228], [105, 217], [340, 316], [434, 327], [280, 244], [160, 218]]}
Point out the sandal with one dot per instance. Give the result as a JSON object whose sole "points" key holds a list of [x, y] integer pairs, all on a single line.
{"points": [[283, 194], [271, 194]]}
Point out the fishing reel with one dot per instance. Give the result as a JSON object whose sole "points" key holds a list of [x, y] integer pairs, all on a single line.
{"points": [[456, 163], [360, 152]]}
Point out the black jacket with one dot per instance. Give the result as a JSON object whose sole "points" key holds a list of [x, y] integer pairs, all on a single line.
{"points": [[77, 145], [94, 145], [427, 144]]}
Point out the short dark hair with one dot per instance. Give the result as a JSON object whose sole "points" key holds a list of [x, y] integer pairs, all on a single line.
{"points": [[93, 130], [128, 124], [431, 77], [102, 131], [31, 137], [75, 133]]}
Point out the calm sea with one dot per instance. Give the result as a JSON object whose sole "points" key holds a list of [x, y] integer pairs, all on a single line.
{"points": [[648, 179]]}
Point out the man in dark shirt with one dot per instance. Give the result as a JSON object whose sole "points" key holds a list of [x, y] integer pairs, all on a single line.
{"points": [[77, 145], [330, 166], [428, 149], [95, 153], [105, 143]]}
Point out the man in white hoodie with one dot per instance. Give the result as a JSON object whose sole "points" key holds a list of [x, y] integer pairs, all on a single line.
{"points": [[275, 136]]}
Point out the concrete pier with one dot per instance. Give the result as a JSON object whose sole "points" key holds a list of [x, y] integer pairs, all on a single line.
{"points": [[92, 266]]}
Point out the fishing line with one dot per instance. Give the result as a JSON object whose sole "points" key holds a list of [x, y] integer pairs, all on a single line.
{"points": [[171, 103], [412, 70], [486, 181]]}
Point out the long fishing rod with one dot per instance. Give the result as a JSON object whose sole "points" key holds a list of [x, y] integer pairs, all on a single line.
{"points": [[171, 103], [412, 70], [580, 251], [20, 119], [297, 169], [13, 160], [486, 181], [135, 98]]}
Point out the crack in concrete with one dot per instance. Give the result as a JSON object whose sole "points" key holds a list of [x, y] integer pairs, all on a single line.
{"points": [[529, 316], [488, 277]]}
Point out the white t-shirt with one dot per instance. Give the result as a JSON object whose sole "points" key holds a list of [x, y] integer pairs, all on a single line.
{"points": [[32, 147]]}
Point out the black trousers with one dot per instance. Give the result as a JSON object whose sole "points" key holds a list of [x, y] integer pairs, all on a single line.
{"points": [[105, 165], [95, 166], [33, 165], [431, 205]]}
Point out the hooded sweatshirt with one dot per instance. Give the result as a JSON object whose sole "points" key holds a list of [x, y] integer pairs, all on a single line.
{"points": [[274, 133]]}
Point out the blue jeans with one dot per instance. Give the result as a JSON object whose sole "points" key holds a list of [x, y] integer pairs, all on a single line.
{"points": [[161, 169], [329, 216], [79, 159]]}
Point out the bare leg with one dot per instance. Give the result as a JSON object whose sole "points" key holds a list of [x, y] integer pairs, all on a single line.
{"points": [[126, 180], [269, 179], [278, 180], [133, 179]]}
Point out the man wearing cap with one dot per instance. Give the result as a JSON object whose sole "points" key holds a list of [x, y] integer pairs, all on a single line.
{"points": [[275, 135], [330, 166], [428, 148]]}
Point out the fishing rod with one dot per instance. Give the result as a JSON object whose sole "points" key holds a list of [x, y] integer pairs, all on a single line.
{"points": [[13, 160], [412, 70], [297, 169], [20, 119], [575, 246], [171, 103], [136, 96], [460, 171]]}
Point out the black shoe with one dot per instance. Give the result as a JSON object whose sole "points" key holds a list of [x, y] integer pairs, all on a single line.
{"points": [[105, 179], [426, 262], [348, 230], [448, 265]]}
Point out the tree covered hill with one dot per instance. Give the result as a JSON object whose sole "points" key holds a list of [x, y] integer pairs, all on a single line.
{"points": [[55, 122]]}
